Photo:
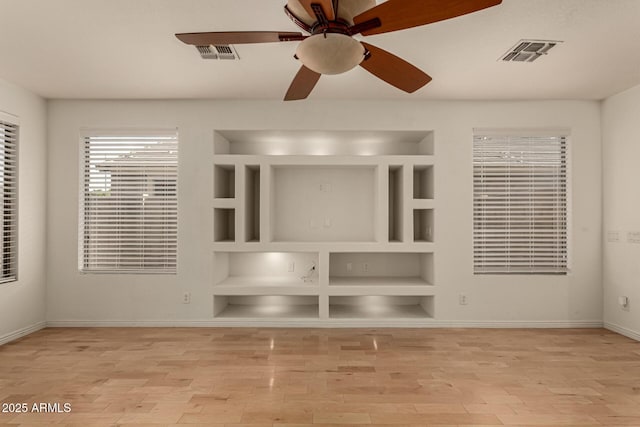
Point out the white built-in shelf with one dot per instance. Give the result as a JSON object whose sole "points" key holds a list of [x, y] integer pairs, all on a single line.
{"points": [[355, 211], [283, 161], [390, 247], [319, 143], [339, 311], [247, 285], [422, 181], [378, 281], [288, 312], [423, 204], [225, 203], [224, 181], [380, 286], [380, 307], [266, 306]]}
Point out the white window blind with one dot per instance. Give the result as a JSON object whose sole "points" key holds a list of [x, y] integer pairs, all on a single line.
{"points": [[9, 203], [129, 203], [520, 204]]}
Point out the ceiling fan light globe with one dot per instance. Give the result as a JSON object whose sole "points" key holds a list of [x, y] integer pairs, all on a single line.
{"points": [[330, 53]]}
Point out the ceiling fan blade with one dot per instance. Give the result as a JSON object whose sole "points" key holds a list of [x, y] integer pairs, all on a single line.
{"points": [[400, 14], [326, 5], [393, 70], [238, 37], [302, 84]]}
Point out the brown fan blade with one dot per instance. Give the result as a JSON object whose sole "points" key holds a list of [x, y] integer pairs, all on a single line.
{"points": [[302, 84], [393, 70], [326, 5], [238, 37], [400, 14]]}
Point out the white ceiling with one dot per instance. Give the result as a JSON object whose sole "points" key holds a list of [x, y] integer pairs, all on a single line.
{"points": [[126, 49]]}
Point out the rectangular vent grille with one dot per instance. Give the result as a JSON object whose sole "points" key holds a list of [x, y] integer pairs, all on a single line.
{"points": [[219, 51], [528, 50]]}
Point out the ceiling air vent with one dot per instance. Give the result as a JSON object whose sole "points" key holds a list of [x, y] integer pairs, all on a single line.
{"points": [[219, 51], [528, 50]]}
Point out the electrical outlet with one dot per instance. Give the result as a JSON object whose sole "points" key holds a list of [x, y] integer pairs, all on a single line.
{"points": [[462, 299], [613, 236], [349, 267], [186, 298], [365, 267], [292, 267]]}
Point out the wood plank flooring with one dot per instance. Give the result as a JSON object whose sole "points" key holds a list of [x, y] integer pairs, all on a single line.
{"points": [[323, 377]]}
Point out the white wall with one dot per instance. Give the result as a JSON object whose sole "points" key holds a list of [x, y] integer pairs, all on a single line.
{"points": [[22, 303], [621, 173], [575, 298]]}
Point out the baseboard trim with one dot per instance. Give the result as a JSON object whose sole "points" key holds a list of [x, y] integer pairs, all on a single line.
{"points": [[12, 336], [524, 324], [325, 323], [629, 333]]}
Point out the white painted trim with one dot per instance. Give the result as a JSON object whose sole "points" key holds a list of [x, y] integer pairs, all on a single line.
{"points": [[328, 323], [629, 333], [537, 131], [312, 323], [12, 336], [8, 117]]}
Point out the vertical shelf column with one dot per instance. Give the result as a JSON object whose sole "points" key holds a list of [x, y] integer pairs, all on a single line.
{"points": [[241, 210], [224, 202], [323, 284], [252, 206], [407, 196], [395, 204], [383, 208], [266, 203]]}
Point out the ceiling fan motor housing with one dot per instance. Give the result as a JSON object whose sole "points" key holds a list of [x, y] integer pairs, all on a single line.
{"points": [[330, 53]]}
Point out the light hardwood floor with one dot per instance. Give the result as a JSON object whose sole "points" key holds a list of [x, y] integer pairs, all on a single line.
{"points": [[298, 377]]}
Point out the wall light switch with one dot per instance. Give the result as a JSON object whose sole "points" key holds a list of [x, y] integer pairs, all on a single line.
{"points": [[633, 237], [613, 236], [292, 267], [349, 266], [327, 223]]}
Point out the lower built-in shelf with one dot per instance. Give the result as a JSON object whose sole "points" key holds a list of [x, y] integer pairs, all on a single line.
{"points": [[265, 307], [380, 307]]}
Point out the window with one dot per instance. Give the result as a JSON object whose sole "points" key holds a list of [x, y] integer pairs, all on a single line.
{"points": [[9, 203], [519, 204], [129, 203]]}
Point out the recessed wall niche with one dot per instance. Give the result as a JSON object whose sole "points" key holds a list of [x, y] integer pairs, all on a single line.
{"points": [[324, 227]]}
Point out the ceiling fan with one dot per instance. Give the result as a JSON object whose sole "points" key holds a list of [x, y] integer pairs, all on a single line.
{"points": [[330, 47]]}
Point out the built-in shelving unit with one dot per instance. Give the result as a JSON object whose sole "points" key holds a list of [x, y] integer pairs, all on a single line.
{"points": [[224, 225], [252, 203], [423, 225], [323, 227], [224, 181]]}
